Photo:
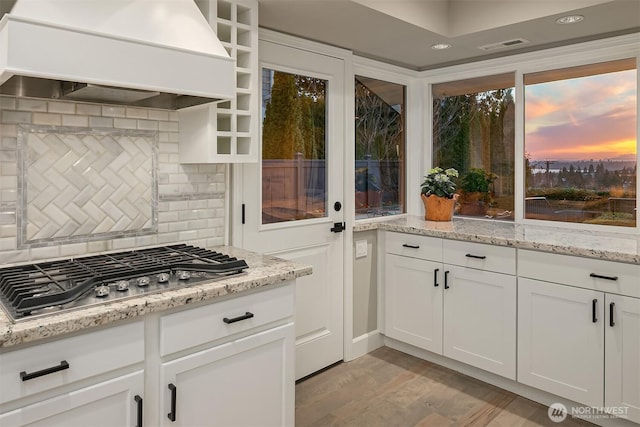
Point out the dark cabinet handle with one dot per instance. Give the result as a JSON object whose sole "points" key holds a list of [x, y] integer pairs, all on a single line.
{"points": [[174, 392], [446, 280], [61, 367], [612, 323], [245, 316], [435, 277], [405, 245], [476, 256], [599, 276], [594, 307], [138, 400]]}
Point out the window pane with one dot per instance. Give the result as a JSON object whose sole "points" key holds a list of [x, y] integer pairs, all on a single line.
{"points": [[379, 147], [580, 144], [294, 176], [473, 132]]}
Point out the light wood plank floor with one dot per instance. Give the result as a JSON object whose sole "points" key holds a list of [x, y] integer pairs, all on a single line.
{"points": [[388, 388]]}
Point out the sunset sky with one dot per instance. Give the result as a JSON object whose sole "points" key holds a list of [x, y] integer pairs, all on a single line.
{"points": [[585, 118]]}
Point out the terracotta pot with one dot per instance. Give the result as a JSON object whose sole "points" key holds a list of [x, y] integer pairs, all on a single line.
{"points": [[438, 208]]}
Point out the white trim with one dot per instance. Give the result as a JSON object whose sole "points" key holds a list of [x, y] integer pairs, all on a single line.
{"points": [[303, 44], [365, 344]]}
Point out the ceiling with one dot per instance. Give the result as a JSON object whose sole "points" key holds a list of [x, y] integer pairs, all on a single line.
{"points": [[402, 32]]}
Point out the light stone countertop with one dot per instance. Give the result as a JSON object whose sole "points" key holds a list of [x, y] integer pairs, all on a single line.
{"points": [[263, 271], [606, 246]]}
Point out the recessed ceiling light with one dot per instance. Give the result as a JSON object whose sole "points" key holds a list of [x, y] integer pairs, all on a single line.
{"points": [[569, 19], [440, 46]]}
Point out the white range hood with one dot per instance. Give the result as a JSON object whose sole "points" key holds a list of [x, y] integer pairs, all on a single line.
{"points": [[152, 53]]}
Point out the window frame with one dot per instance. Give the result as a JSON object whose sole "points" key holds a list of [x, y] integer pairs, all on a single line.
{"points": [[611, 49], [372, 69]]}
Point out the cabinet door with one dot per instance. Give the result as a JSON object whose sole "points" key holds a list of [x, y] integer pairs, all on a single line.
{"points": [[112, 403], [561, 340], [622, 346], [480, 319], [247, 382], [413, 301]]}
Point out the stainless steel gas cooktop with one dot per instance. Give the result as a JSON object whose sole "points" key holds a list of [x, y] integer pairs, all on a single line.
{"points": [[52, 287]]}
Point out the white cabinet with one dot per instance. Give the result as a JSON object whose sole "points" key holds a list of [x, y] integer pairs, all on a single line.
{"points": [[413, 301], [52, 384], [561, 340], [576, 338], [463, 311], [113, 403], [234, 367], [480, 319], [622, 350], [247, 382], [227, 132]]}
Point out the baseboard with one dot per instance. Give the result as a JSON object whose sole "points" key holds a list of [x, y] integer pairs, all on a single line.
{"points": [[530, 393], [364, 344]]}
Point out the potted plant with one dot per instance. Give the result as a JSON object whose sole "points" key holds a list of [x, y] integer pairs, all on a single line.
{"points": [[475, 191], [438, 192]]}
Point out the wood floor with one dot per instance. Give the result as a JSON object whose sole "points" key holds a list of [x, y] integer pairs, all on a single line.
{"points": [[388, 388]]}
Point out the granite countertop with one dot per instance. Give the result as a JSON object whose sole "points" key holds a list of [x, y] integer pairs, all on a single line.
{"points": [[263, 271], [607, 246]]}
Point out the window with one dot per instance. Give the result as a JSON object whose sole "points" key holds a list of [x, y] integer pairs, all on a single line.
{"points": [[473, 132], [580, 144], [293, 147], [379, 148]]}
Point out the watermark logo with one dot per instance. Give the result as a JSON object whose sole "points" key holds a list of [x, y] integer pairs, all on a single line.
{"points": [[557, 412]]}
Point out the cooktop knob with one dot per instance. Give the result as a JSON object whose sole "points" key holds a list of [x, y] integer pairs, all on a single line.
{"points": [[101, 291], [122, 285]]}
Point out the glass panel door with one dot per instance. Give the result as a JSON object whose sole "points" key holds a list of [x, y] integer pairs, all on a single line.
{"points": [[294, 167]]}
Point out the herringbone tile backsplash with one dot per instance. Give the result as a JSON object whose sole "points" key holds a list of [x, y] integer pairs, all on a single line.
{"points": [[79, 178], [82, 183]]}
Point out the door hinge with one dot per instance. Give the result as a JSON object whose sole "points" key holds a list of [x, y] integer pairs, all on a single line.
{"points": [[338, 227], [243, 217]]}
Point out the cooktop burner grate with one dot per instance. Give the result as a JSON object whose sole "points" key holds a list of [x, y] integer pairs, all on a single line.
{"points": [[28, 289]]}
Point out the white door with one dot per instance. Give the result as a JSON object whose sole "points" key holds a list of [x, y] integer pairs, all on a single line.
{"points": [[561, 340], [622, 369], [480, 319], [413, 301], [292, 198]]}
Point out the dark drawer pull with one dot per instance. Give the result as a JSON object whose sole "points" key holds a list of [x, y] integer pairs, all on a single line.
{"points": [[476, 256], [594, 308], [446, 280], [406, 245], [435, 277], [599, 276], [174, 392], [612, 323], [138, 400], [61, 367], [245, 316]]}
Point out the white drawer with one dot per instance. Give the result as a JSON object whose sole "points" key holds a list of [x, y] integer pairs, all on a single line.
{"points": [[87, 355], [413, 245], [501, 259], [189, 328], [606, 276]]}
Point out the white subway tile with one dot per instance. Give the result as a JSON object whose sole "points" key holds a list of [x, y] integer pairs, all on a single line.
{"points": [[120, 123], [47, 119], [73, 120], [178, 226], [25, 104], [188, 235], [73, 249], [111, 111], [147, 125], [9, 103], [88, 109], [99, 246], [10, 117], [158, 115], [166, 238], [45, 252], [136, 113], [100, 122], [168, 126], [124, 243], [61, 107]]}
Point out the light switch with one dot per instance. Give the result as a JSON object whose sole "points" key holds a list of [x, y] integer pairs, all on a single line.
{"points": [[361, 248]]}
